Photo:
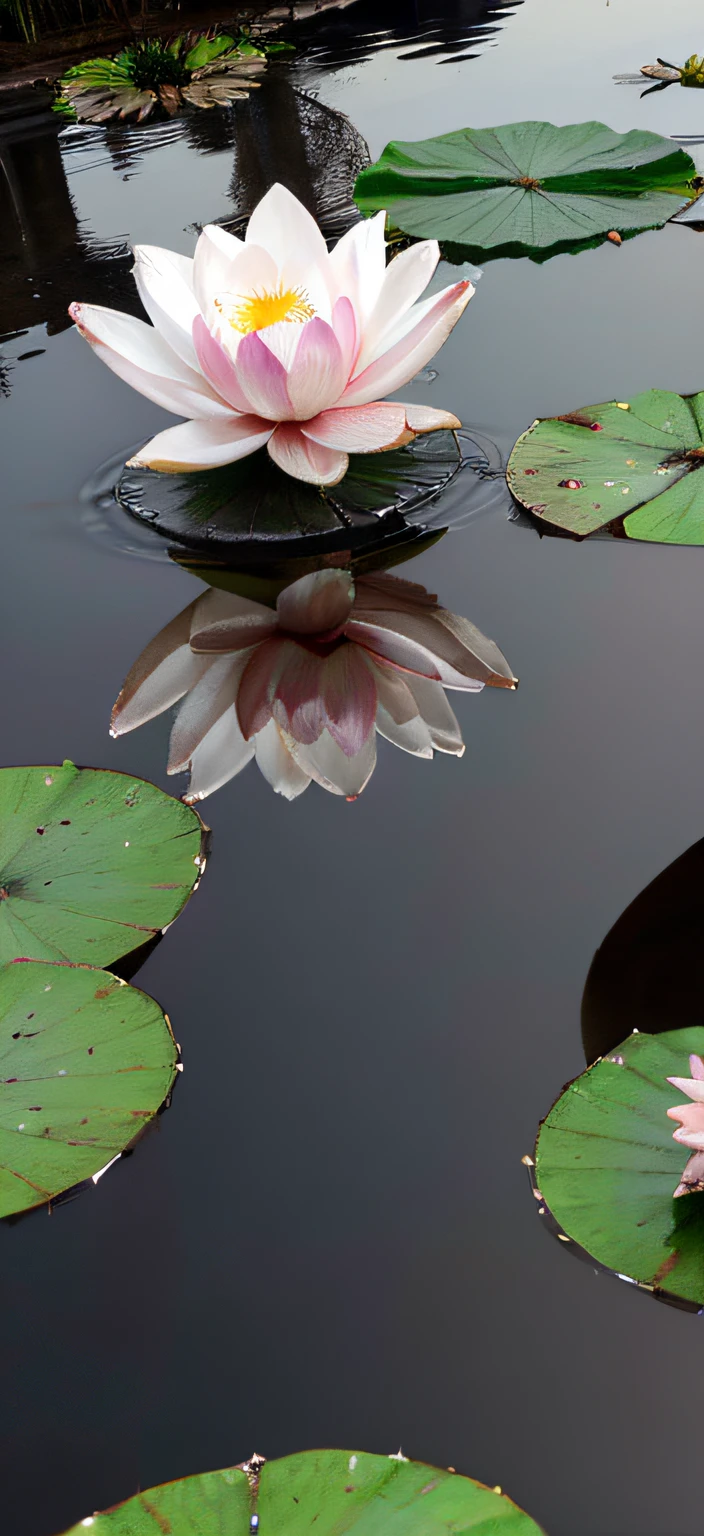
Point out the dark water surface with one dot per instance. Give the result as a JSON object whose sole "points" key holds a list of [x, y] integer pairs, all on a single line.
{"points": [[330, 1239]]}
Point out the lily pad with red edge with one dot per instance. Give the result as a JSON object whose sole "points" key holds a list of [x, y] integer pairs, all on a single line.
{"points": [[606, 1166], [93, 863], [86, 1062], [632, 468], [325, 1491]]}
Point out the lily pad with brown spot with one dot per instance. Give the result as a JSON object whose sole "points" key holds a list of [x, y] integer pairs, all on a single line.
{"points": [[93, 863], [633, 468], [86, 1061], [328, 1492]]}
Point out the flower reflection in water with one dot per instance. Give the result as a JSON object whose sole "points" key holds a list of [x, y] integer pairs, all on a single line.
{"points": [[305, 688]]}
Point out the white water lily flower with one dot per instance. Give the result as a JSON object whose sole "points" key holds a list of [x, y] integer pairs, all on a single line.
{"points": [[274, 339], [305, 687], [690, 1132]]}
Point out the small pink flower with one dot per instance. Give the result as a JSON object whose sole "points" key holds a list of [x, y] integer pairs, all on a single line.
{"points": [[691, 1128], [274, 339], [306, 687]]}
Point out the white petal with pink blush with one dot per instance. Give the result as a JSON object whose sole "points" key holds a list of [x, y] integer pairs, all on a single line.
{"points": [[306, 687], [275, 340]]}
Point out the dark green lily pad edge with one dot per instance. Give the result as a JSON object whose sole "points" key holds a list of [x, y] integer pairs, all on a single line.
{"points": [[558, 1232], [89, 1180], [319, 1476]]}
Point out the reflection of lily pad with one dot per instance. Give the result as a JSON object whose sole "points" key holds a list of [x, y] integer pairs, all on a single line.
{"points": [[630, 465], [254, 502], [326, 1491], [607, 1166], [85, 1063], [92, 863], [528, 189]]}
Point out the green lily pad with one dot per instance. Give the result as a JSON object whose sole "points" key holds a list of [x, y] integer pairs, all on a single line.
{"points": [[607, 1166], [92, 863], [329, 1491], [85, 1063], [253, 503], [528, 189], [631, 467]]}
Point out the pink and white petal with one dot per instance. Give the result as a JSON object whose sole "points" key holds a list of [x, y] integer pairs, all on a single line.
{"points": [[693, 1089], [413, 736], [358, 263], [138, 354], [256, 690], [691, 1117], [405, 278], [263, 379], [439, 717], [692, 1139], [203, 707], [160, 677], [282, 339], [217, 366], [279, 768], [203, 444], [325, 762], [398, 365], [349, 698], [412, 318], [316, 604], [393, 692], [317, 375], [165, 283], [360, 428], [221, 755], [693, 1176], [297, 704], [400, 650], [225, 621], [696, 1067], [344, 324], [461, 657], [284, 228], [425, 418], [298, 456]]}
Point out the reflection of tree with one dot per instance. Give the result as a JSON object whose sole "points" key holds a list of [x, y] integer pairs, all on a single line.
{"points": [[46, 257], [648, 973], [353, 35], [284, 135]]}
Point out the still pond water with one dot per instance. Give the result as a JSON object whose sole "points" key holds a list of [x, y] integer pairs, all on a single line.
{"points": [[329, 1239]]}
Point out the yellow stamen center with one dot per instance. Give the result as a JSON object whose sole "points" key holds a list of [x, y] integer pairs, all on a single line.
{"points": [[258, 310]]}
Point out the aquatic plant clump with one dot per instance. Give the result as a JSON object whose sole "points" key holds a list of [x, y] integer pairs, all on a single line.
{"points": [[153, 76], [274, 340]]}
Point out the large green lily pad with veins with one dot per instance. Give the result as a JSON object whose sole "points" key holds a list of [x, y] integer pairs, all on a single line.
{"points": [[607, 1166], [634, 466], [85, 1063], [529, 188], [329, 1492], [92, 863]]}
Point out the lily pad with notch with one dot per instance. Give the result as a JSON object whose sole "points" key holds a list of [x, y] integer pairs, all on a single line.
{"points": [[93, 863], [336, 1490], [632, 468], [607, 1167], [253, 505], [529, 188], [86, 1062]]}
